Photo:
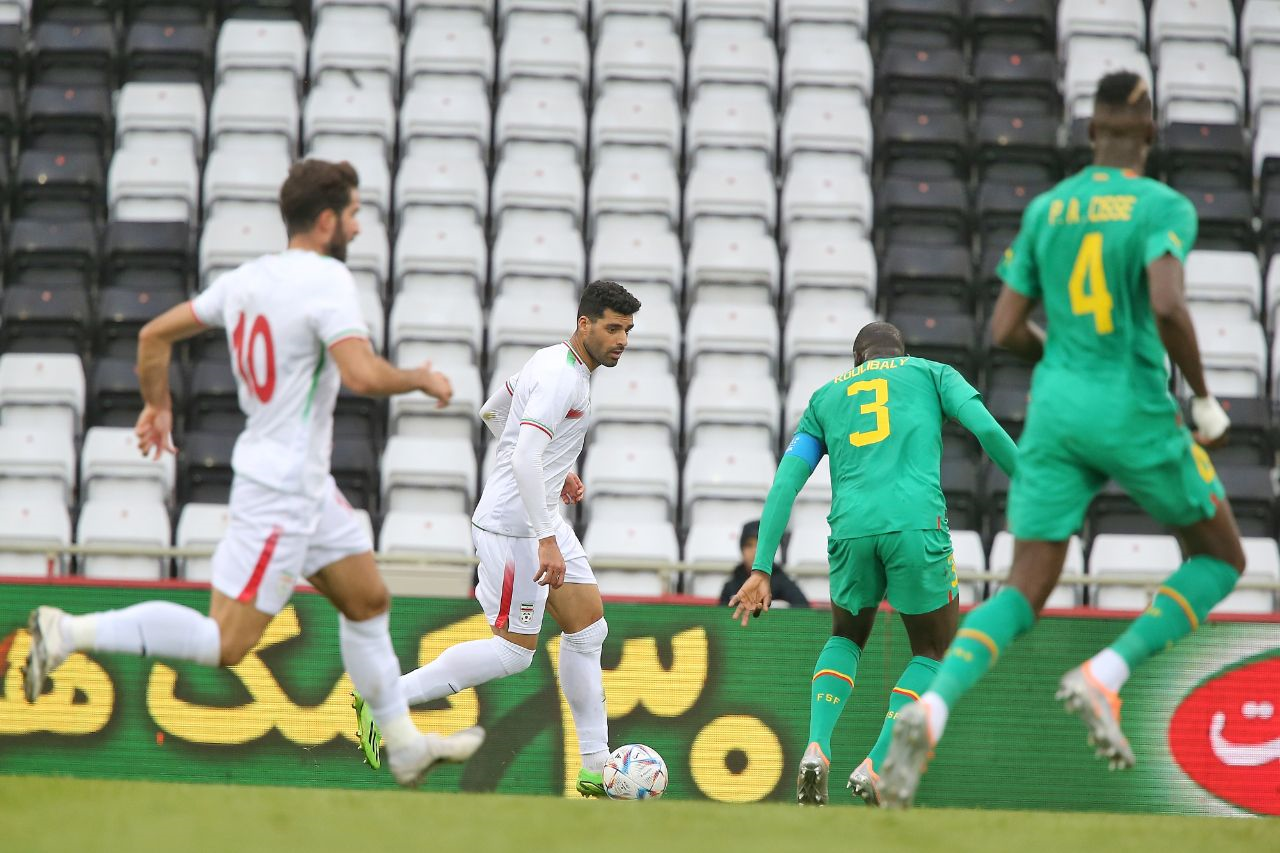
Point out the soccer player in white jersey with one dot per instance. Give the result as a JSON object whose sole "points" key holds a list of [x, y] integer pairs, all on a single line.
{"points": [[296, 333], [530, 557]]}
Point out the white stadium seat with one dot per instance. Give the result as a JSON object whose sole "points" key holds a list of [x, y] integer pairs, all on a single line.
{"points": [[746, 330], [1234, 352], [111, 468], [356, 10], [575, 9], [827, 188], [646, 472], [1225, 277], [32, 522], [540, 111], [634, 542], [427, 180], [634, 182], [636, 115], [43, 392], [36, 466], [1197, 21], [660, 332], [365, 51], [369, 256], [639, 51], [200, 526], [824, 323], [123, 524], [442, 537], [732, 189], [637, 249], [851, 13], [230, 176], [435, 243], [805, 374], [627, 396], [453, 322], [261, 50], [539, 246], [428, 474], [446, 108], [250, 113], [417, 414], [735, 258], [544, 49], [227, 241], [1064, 595], [827, 56], [748, 403], [1092, 59], [671, 11], [735, 475], [157, 185], [533, 183], [1114, 19], [734, 118], [1259, 25], [1115, 553], [346, 115], [161, 114], [734, 57], [1200, 83], [710, 550], [528, 320], [827, 256], [829, 122], [749, 16], [449, 42], [966, 545]]}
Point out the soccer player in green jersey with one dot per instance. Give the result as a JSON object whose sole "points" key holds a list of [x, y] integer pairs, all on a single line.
{"points": [[1103, 250], [881, 424]]}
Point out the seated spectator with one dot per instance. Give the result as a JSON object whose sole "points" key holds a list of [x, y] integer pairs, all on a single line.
{"points": [[783, 587]]}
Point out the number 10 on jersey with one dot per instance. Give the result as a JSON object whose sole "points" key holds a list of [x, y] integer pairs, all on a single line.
{"points": [[257, 344], [879, 406]]}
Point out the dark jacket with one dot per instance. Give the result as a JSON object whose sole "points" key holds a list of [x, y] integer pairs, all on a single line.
{"points": [[782, 586]]}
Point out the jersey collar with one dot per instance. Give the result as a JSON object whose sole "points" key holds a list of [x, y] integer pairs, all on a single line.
{"points": [[574, 358]]}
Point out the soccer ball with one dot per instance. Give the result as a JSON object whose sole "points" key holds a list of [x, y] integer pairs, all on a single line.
{"points": [[635, 772]]}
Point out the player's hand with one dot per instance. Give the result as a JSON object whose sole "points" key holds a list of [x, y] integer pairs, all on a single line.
{"points": [[155, 432], [1211, 421], [550, 564], [435, 384], [573, 489], [753, 598]]}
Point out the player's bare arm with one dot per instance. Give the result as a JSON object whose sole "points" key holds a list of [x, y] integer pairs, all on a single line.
{"points": [[574, 490], [1173, 321], [370, 375], [1013, 328], [155, 350]]}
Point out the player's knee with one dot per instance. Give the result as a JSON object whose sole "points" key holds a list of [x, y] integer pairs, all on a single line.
{"points": [[369, 603], [233, 650], [590, 640], [515, 658]]}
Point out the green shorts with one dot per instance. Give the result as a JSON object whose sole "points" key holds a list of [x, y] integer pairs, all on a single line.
{"points": [[1062, 463], [916, 568]]}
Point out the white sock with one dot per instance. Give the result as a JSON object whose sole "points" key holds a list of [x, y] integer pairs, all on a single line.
{"points": [[594, 761], [583, 685], [152, 628], [1110, 669], [937, 716], [465, 665], [371, 662]]}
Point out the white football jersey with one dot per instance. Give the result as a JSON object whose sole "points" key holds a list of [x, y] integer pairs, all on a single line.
{"points": [[282, 312], [552, 393]]}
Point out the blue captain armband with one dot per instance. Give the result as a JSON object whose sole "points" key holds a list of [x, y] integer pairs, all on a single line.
{"points": [[806, 447]]}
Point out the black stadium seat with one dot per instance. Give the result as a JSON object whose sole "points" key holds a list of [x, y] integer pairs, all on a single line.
{"points": [[1252, 496], [63, 117], [355, 468], [1013, 24], [114, 398], [168, 51], [1017, 148], [941, 274], [1226, 218], [213, 403], [149, 255], [1205, 156], [1017, 82], [74, 53], [924, 211], [44, 250], [1251, 440], [122, 314], [168, 11], [960, 487], [204, 467], [948, 338], [918, 23], [59, 185], [1000, 206], [1113, 511], [923, 143], [933, 76], [37, 319]]}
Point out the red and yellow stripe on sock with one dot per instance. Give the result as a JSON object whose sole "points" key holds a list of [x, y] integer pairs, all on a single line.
{"points": [[831, 672]]}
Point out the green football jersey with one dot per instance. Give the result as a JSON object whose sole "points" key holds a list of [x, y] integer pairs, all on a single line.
{"points": [[881, 425], [1083, 249]]}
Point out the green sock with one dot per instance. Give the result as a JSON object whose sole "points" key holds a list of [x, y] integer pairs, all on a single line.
{"points": [[1178, 609], [912, 684], [985, 632], [832, 685]]}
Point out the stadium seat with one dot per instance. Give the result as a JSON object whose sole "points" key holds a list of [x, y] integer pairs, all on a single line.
{"points": [[639, 182], [36, 319], [114, 398], [634, 397], [721, 117], [726, 484], [1118, 19], [112, 469], [200, 526], [542, 246], [426, 180], [1013, 24], [250, 113], [52, 252], [1192, 21], [626, 116], [42, 392], [153, 185], [805, 374], [538, 49], [824, 323], [128, 524], [417, 414], [1226, 218], [575, 9], [743, 405], [1010, 81], [1155, 557], [1199, 83], [734, 259], [633, 249], [1252, 495], [446, 108], [1064, 595], [1000, 205], [1205, 155], [444, 538], [428, 475], [449, 41], [932, 78], [1091, 60], [631, 543], [347, 117], [645, 473], [432, 246], [923, 143], [453, 324], [671, 11], [729, 188], [916, 278], [1018, 148], [1262, 562], [969, 556], [639, 50], [71, 117], [826, 189], [227, 241], [540, 184], [917, 23], [827, 56], [830, 122], [733, 57], [229, 176], [261, 52], [28, 523], [204, 466], [540, 111], [710, 551], [849, 13], [748, 332], [828, 255], [36, 465], [77, 53], [1259, 26], [934, 212], [122, 312], [58, 185], [365, 52], [161, 114], [1225, 278], [947, 338], [658, 340], [1234, 353]]}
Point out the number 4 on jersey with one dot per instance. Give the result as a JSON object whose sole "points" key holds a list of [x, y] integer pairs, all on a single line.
{"points": [[263, 387], [1088, 271]]}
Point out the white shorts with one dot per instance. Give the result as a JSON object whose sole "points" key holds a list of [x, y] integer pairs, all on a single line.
{"points": [[511, 599], [275, 538]]}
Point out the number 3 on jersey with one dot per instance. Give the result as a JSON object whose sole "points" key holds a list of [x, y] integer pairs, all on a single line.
{"points": [[257, 344], [878, 406], [1088, 271]]}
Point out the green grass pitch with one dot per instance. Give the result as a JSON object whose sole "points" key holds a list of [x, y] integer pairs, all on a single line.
{"points": [[63, 814]]}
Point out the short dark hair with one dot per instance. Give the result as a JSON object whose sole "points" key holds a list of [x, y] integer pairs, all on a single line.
{"points": [[601, 295], [750, 533], [314, 186], [879, 337], [1122, 90]]}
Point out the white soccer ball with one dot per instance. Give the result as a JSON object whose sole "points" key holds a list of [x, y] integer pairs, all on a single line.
{"points": [[635, 772]]}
